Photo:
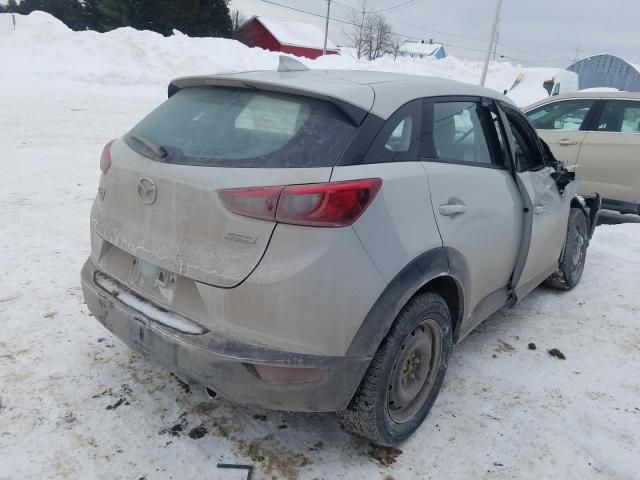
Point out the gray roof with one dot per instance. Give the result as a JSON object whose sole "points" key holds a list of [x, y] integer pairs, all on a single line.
{"points": [[380, 93]]}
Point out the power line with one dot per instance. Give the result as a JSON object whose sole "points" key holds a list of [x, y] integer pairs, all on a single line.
{"points": [[466, 37], [408, 37], [395, 8], [401, 6]]}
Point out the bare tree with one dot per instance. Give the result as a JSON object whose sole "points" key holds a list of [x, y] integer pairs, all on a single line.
{"points": [[395, 46], [370, 34], [356, 32], [237, 19], [379, 38]]}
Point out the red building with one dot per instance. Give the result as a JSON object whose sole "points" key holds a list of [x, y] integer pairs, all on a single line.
{"points": [[297, 38]]}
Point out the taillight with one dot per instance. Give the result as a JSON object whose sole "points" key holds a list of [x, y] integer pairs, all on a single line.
{"points": [[258, 202], [336, 204], [105, 158]]}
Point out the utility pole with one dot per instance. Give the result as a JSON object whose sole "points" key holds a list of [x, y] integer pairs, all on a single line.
{"points": [[495, 44], [326, 28], [494, 32]]}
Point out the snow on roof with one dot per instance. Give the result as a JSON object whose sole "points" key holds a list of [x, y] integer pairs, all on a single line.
{"points": [[419, 48], [297, 34]]}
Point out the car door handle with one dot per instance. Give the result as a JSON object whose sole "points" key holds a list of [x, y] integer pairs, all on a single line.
{"points": [[565, 142], [540, 209], [451, 210]]}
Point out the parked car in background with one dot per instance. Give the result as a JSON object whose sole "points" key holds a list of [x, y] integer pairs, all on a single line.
{"points": [[320, 240], [598, 133], [555, 81]]}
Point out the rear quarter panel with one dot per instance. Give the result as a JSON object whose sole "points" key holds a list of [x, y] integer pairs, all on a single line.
{"points": [[399, 225]]}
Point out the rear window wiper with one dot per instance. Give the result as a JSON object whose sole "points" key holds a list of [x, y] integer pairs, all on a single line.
{"points": [[158, 150]]}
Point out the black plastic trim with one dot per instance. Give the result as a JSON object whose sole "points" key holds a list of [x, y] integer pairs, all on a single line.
{"points": [[423, 269]]}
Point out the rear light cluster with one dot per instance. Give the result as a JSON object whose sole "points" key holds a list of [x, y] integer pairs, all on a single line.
{"points": [[336, 204], [105, 158]]}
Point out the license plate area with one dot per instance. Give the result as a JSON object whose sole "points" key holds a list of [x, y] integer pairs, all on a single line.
{"points": [[153, 280]]}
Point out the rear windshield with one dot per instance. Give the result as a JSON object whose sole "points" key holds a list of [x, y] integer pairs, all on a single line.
{"points": [[235, 127]]}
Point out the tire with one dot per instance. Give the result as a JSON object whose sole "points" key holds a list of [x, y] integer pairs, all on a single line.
{"points": [[573, 258], [377, 412]]}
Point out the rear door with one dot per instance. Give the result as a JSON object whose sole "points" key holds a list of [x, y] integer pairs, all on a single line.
{"points": [[562, 125], [475, 199], [609, 162], [546, 209], [160, 200]]}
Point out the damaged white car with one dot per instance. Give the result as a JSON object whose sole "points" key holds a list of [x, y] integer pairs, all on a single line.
{"points": [[321, 240]]}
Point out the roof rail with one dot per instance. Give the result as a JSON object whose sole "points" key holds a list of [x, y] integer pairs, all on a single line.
{"points": [[288, 64]]}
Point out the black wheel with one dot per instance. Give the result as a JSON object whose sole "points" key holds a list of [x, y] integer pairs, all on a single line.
{"points": [[405, 375], [574, 255]]}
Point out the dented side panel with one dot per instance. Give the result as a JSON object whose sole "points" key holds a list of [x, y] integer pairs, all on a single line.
{"points": [[545, 220]]}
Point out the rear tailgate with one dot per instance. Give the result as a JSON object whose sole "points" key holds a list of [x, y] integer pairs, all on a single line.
{"points": [[186, 229], [160, 199]]}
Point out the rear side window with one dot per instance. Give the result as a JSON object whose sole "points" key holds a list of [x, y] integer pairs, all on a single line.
{"points": [[234, 127], [567, 115], [399, 137], [620, 116]]}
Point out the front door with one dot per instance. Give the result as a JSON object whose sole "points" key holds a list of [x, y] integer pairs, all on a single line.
{"points": [[546, 209], [475, 199]]}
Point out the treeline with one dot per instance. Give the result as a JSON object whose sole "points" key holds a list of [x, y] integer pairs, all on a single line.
{"points": [[196, 18]]}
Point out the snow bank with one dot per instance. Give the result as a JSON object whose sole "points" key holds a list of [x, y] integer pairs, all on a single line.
{"points": [[43, 48]]}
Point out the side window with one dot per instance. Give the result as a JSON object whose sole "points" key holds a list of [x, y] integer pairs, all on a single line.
{"points": [[620, 116], [398, 139], [567, 115], [527, 155], [457, 133]]}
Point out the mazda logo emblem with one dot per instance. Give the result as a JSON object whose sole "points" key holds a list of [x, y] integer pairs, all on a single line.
{"points": [[147, 191]]}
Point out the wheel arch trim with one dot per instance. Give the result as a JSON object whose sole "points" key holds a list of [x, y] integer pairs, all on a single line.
{"points": [[429, 266]]}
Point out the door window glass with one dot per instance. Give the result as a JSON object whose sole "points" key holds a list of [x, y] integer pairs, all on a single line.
{"points": [[620, 116], [566, 115], [458, 135], [526, 155]]}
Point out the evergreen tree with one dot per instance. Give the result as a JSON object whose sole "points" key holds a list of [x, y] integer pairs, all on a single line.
{"points": [[196, 18], [70, 12], [106, 15], [12, 6]]}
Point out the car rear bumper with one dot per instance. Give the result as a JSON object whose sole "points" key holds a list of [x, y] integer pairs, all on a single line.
{"points": [[231, 368]]}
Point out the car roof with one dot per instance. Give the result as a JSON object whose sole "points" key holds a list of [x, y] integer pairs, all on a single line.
{"points": [[380, 93], [589, 95]]}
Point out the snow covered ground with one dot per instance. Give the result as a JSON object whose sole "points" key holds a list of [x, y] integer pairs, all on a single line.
{"points": [[76, 403]]}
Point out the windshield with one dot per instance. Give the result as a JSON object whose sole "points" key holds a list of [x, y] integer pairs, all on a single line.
{"points": [[235, 127]]}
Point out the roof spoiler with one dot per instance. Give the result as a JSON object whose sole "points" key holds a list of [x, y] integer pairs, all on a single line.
{"points": [[355, 113], [288, 64]]}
